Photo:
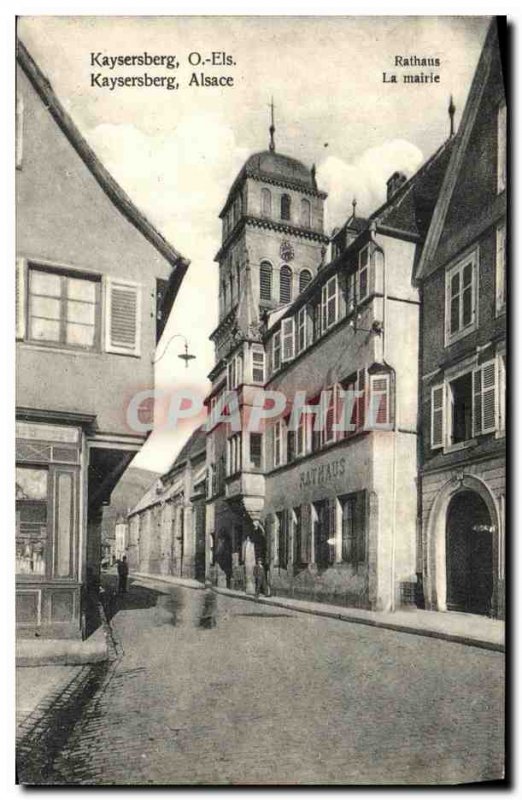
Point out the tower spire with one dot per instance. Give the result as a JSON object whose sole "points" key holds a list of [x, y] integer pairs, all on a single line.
{"points": [[451, 112], [272, 125]]}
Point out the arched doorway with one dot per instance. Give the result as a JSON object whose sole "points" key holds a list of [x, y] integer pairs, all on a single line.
{"points": [[469, 554]]}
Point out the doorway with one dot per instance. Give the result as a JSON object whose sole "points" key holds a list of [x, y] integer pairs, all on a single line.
{"points": [[469, 554]]}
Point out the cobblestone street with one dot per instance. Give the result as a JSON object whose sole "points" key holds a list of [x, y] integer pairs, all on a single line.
{"points": [[274, 696]]}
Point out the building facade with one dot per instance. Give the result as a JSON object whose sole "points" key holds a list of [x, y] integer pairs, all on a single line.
{"points": [[462, 277], [95, 284], [334, 514], [167, 526]]}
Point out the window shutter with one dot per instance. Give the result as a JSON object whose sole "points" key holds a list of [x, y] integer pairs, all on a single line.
{"points": [[123, 317], [20, 298], [361, 399], [437, 416], [501, 267], [489, 397], [288, 337], [379, 401]]}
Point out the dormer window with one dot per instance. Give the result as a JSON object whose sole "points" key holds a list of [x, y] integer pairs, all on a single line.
{"points": [[285, 206]]}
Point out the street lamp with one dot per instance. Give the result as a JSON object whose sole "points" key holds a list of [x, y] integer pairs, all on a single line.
{"points": [[185, 356]]}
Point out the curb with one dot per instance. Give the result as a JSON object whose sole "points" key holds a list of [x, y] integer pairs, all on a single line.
{"points": [[484, 644]]}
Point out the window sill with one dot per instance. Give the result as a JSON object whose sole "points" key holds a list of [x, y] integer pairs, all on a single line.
{"points": [[456, 337], [454, 448]]}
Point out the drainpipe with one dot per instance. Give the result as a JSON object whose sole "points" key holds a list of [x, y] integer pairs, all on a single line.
{"points": [[376, 246]]}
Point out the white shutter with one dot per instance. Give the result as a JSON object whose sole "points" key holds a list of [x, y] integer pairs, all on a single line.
{"points": [[20, 298], [477, 402], [437, 416], [288, 339], [123, 317], [501, 268], [379, 399]]}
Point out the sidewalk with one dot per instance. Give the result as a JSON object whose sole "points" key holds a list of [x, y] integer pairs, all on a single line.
{"points": [[452, 626], [63, 652]]}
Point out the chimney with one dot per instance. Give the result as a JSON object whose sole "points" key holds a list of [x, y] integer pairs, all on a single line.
{"points": [[394, 183]]}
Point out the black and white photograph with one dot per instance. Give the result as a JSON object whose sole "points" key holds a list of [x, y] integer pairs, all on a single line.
{"points": [[261, 416]]}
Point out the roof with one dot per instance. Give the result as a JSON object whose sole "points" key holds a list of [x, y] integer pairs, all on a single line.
{"points": [[105, 180], [194, 446], [461, 140], [273, 167]]}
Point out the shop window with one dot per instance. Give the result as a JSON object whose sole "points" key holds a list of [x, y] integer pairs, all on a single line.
{"points": [[266, 203], [305, 277], [285, 284], [461, 298], [285, 206], [353, 530], [63, 309], [256, 450], [265, 281], [32, 546]]}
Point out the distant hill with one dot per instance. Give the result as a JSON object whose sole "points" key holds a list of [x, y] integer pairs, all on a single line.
{"points": [[131, 487]]}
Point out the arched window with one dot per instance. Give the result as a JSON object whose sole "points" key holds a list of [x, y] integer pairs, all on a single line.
{"points": [[265, 281], [305, 276], [266, 203], [306, 211], [285, 284], [285, 206]]}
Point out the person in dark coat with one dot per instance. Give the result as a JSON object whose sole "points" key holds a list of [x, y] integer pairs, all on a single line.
{"points": [[123, 573], [260, 578]]}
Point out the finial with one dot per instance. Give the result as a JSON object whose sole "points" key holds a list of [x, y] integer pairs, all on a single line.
{"points": [[272, 125], [354, 206], [451, 112]]}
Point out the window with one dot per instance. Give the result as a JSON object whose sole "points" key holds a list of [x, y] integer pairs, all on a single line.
{"points": [[266, 203], [256, 450], [290, 445], [288, 339], [276, 351], [329, 304], [302, 324], [501, 148], [306, 213], [65, 309], [234, 454], [437, 416], [282, 519], [265, 281], [354, 402], [285, 284], [379, 409], [278, 444], [123, 317], [461, 293], [31, 521], [353, 528], [303, 439], [325, 533], [363, 277], [461, 401], [305, 277], [258, 365], [350, 292], [501, 269], [285, 206], [235, 372], [329, 434]]}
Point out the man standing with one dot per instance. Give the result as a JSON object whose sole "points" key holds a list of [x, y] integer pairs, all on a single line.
{"points": [[123, 572]]}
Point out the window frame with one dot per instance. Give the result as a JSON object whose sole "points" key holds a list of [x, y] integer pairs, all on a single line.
{"points": [[266, 269], [276, 349], [301, 328], [472, 257], [63, 273], [326, 300]]}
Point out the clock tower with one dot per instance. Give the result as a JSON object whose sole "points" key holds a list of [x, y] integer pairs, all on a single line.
{"points": [[272, 245]]}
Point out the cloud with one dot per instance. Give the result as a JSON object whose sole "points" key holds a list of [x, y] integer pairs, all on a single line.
{"points": [[365, 178]]}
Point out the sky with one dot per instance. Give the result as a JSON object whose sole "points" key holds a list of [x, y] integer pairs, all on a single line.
{"points": [[176, 153]]}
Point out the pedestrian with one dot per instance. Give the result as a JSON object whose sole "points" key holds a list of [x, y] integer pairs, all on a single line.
{"points": [[260, 578], [249, 560], [123, 573]]}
